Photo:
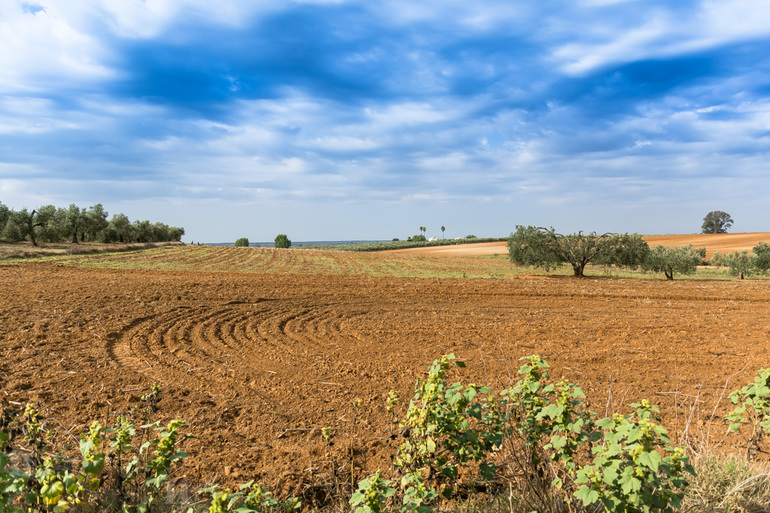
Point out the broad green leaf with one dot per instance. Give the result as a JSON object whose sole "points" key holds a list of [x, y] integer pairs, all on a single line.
{"points": [[488, 471], [93, 466], [587, 495], [650, 459]]}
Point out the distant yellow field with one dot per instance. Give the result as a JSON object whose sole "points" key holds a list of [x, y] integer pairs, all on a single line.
{"points": [[724, 242]]}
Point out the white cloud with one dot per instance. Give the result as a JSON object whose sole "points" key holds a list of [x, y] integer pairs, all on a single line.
{"points": [[618, 47], [43, 48], [657, 33], [341, 144]]}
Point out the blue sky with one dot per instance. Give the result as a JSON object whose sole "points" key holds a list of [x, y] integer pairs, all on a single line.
{"points": [[335, 119]]}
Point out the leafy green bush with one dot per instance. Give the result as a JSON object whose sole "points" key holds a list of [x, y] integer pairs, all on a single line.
{"points": [[752, 405], [558, 454], [635, 468], [243, 242], [251, 498], [49, 481], [449, 426], [282, 241]]}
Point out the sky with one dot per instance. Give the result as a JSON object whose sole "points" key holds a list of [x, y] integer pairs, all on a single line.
{"points": [[365, 120]]}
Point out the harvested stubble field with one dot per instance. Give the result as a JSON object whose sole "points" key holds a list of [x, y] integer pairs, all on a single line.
{"points": [[258, 349]]}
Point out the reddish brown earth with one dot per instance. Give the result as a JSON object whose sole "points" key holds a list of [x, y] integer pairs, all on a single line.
{"points": [[256, 364]]}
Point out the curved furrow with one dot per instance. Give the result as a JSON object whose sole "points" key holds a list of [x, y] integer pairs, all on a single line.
{"points": [[133, 348], [245, 353]]}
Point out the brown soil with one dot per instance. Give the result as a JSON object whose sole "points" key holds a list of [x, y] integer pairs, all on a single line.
{"points": [[724, 242], [257, 364]]}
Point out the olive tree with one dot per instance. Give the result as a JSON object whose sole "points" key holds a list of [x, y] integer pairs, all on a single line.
{"points": [[243, 242], [741, 263], [93, 222], [546, 249], [683, 260], [716, 221], [761, 256], [24, 224], [69, 222], [119, 229], [282, 241], [5, 213]]}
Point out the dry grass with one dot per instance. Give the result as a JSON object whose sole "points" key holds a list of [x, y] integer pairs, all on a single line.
{"points": [[10, 251]]}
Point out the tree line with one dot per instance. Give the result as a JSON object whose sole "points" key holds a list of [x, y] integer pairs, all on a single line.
{"points": [[546, 249], [74, 224]]}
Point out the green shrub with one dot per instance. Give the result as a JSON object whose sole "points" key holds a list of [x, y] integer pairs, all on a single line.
{"points": [[635, 469], [282, 241], [558, 455], [251, 498], [752, 406], [51, 482], [243, 242]]}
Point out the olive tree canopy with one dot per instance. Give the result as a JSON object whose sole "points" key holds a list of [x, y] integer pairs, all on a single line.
{"points": [[546, 249], [684, 260]]}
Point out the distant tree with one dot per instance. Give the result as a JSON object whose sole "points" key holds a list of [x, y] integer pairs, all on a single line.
{"points": [[5, 213], [684, 260], [23, 225], [16, 226], [740, 263], [94, 221], [546, 249], [470, 236], [46, 228], [717, 259], [282, 241], [121, 229], [423, 229], [69, 221], [243, 242], [417, 238], [762, 256], [160, 232], [142, 231], [175, 233], [442, 231], [716, 221]]}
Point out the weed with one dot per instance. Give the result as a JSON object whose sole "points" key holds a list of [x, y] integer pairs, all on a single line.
{"points": [[752, 405], [152, 398]]}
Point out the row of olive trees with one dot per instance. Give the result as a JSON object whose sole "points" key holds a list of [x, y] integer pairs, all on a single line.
{"points": [[75, 224], [546, 249], [743, 263]]}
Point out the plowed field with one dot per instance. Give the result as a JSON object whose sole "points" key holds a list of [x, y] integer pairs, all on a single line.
{"points": [[257, 363]]}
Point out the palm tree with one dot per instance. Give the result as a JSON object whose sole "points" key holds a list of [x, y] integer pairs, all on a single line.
{"points": [[442, 231]]}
